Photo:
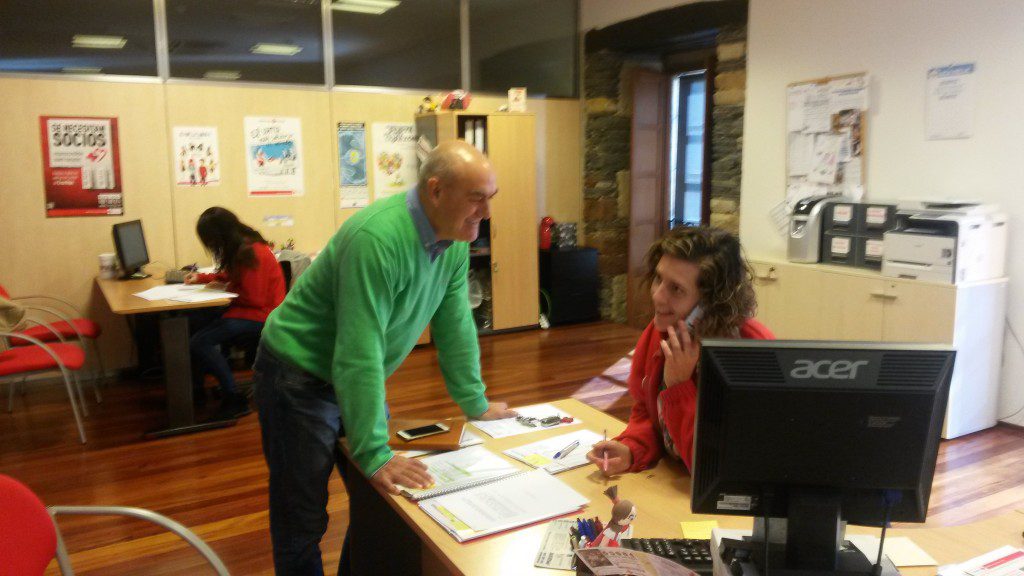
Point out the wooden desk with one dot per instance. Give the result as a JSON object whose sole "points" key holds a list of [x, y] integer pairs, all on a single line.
{"points": [[662, 496], [119, 295]]}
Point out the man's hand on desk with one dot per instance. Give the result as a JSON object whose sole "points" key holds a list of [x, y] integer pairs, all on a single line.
{"points": [[619, 458], [405, 471], [497, 411]]}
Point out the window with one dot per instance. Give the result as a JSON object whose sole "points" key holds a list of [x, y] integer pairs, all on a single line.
{"points": [[531, 43], [413, 44], [254, 40], [78, 37], [686, 149]]}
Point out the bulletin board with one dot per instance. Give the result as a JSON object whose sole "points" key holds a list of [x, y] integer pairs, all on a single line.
{"points": [[826, 136]]}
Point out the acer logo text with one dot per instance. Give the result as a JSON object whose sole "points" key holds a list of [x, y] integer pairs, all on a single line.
{"points": [[827, 369]]}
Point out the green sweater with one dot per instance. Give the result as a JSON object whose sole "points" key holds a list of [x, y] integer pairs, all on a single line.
{"points": [[356, 313]]}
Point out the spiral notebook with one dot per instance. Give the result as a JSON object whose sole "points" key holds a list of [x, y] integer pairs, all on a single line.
{"points": [[461, 469], [503, 504]]}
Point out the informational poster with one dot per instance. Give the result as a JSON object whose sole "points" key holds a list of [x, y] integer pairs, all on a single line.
{"points": [[273, 148], [196, 156], [81, 166], [354, 191], [951, 102], [394, 158]]}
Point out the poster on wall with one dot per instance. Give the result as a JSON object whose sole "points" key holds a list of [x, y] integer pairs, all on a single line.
{"points": [[951, 102], [81, 166], [273, 148], [354, 192], [196, 156], [395, 165]]}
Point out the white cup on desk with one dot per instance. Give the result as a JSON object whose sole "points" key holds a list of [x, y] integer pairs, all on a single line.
{"points": [[108, 266]]}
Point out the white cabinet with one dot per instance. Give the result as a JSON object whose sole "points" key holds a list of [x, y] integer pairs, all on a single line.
{"points": [[822, 302]]}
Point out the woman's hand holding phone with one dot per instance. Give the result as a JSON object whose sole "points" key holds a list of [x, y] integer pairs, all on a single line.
{"points": [[681, 351]]}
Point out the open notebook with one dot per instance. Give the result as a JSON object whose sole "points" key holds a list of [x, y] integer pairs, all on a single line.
{"points": [[461, 469]]}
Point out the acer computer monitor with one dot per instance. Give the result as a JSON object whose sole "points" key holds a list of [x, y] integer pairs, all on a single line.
{"points": [[818, 433], [131, 248]]}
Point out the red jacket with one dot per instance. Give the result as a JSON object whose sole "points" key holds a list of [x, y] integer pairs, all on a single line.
{"points": [[260, 289], [643, 433]]}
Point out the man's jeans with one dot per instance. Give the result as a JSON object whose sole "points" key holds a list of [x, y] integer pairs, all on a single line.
{"points": [[300, 425]]}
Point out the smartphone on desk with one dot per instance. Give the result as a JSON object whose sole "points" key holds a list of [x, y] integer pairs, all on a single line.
{"points": [[421, 431]]}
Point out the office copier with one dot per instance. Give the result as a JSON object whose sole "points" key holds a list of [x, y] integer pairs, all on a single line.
{"points": [[946, 241]]}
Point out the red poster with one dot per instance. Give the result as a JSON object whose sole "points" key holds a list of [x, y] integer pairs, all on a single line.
{"points": [[81, 166]]}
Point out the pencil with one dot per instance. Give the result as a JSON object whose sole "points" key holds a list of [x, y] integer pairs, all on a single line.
{"points": [[604, 454]]}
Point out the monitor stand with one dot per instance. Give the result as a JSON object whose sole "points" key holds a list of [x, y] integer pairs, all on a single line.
{"points": [[139, 275], [813, 545]]}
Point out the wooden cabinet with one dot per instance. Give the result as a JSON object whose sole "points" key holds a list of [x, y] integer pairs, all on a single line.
{"points": [[823, 302], [510, 144]]}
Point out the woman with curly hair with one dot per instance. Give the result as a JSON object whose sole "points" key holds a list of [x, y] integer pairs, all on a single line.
{"points": [[701, 287]]}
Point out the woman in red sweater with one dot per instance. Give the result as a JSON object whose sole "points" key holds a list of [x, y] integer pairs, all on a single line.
{"points": [[249, 269], [698, 276]]}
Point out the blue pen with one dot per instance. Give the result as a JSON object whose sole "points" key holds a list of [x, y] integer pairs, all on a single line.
{"points": [[567, 450]]}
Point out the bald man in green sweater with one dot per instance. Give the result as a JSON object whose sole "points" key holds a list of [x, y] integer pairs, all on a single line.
{"points": [[348, 323]]}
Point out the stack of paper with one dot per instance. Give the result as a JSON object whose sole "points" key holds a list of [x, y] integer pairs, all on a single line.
{"points": [[503, 504]]}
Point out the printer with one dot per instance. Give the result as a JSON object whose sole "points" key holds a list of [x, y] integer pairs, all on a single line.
{"points": [[805, 227], [946, 241]]}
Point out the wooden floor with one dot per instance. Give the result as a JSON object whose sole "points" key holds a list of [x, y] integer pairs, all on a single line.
{"points": [[215, 482]]}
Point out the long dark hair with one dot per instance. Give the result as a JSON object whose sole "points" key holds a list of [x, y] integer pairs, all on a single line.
{"points": [[725, 281], [227, 239]]}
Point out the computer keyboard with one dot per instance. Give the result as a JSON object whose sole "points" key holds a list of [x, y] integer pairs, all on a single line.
{"points": [[695, 554]]}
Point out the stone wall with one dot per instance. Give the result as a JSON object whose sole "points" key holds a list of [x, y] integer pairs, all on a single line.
{"points": [[606, 175], [727, 128], [606, 156]]}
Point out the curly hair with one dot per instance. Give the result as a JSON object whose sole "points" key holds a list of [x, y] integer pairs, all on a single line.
{"points": [[725, 280]]}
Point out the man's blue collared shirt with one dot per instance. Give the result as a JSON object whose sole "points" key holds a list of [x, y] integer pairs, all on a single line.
{"points": [[428, 237]]}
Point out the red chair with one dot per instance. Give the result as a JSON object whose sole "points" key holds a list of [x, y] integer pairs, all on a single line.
{"points": [[39, 358], [30, 537], [65, 327]]}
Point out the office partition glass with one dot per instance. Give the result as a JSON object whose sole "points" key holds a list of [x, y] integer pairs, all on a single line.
{"points": [[78, 37], [408, 44], [531, 43], [262, 41]]}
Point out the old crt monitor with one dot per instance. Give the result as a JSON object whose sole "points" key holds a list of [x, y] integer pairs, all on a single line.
{"points": [[131, 248], [818, 433]]}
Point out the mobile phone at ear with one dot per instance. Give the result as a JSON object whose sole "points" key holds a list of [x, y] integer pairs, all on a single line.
{"points": [[694, 316], [421, 431]]}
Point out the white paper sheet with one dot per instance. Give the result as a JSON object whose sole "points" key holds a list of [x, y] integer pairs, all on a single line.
{"points": [[801, 153], [183, 293], [826, 158], [795, 107], [817, 103], [848, 94], [950, 108], [510, 427], [901, 550], [542, 454]]}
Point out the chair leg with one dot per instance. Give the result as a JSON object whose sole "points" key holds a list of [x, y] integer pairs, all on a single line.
{"points": [[10, 397], [102, 375], [81, 397], [74, 405]]}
